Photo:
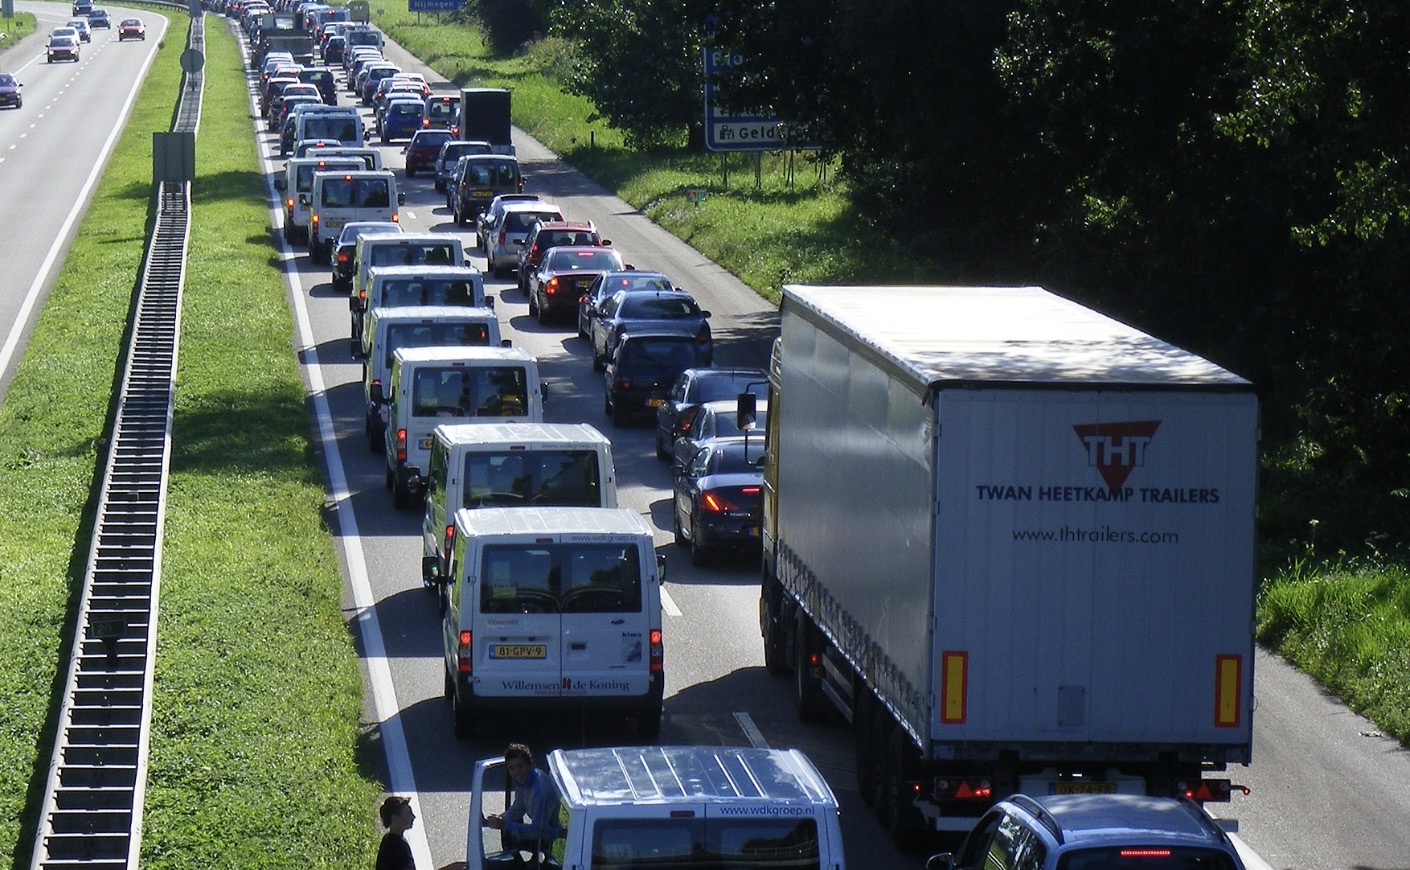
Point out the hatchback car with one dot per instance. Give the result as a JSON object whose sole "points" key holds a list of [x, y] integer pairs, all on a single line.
{"points": [[98, 18], [563, 275], [695, 387], [324, 81], [479, 178], [493, 210], [10, 91], [85, 31], [639, 374], [505, 234], [451, 152], [132, 28], [718, 498], [61, 48], [401, 119], [422, 150], [1088, 831], [717, 419], [610, 282], [659, 311], [551, 234]]}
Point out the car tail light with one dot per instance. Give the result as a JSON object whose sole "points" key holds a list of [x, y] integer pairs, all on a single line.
{"points": [[396, 218], [501, 239], [551, 287], [622, 383], [376, 384], [344, 256], [703, 335], [688, 419], [716, 503], [463, 652], [657, 652], [401, 445]]}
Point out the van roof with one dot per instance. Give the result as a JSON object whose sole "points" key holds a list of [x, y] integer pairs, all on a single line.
{"points": [[423, 271], [541, 521], [512, 434], [405, 238], [467, 354], [688, 774], [455, 313]]}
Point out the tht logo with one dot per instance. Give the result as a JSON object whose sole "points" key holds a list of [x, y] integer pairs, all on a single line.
{"points": [[1116, 448]]}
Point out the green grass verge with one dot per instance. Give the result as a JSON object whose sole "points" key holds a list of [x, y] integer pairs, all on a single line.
{"points": [[257, 759], [1348, 626], [16, 28]]}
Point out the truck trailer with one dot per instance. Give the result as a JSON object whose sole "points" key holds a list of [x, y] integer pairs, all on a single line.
{"points": [[484, 116], [1010, 541]]}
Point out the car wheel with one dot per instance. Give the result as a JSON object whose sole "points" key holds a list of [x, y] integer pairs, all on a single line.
{"points": [[648, 726], [619, 416], [460, 220], [661, 452], [598, 362], [680, 539], [410, 173], [401, 497], [543, 316], [440, 188], [391, 481], [607, 403], [533, 305], [699, 553], [464, 719]]}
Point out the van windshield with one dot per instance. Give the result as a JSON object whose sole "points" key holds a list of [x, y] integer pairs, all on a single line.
{"points": [[401, 292], [560, 578], [435, 335], [718, 842], [567, 478], [481, 391]]}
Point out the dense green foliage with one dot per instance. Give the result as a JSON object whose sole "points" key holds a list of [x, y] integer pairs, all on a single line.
{"points": [[1231, 175]]}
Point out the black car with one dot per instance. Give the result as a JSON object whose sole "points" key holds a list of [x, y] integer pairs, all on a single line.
{"points": [[693, 388], [343, 248], [642, 370], [647, 311], [99, 18], [714, 420], [718, 498], [610, 282], [324, 81], [10, 91]]}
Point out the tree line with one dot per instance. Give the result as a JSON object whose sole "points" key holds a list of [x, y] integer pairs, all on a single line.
{"points": [[1230, 175]]}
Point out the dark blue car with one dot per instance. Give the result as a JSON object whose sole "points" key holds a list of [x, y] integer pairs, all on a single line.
{"points": [[400, 120]]}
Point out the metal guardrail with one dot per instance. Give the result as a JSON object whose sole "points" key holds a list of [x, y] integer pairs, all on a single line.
{"points": [[92, 811]]}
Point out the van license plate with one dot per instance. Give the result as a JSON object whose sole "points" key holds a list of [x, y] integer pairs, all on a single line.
{"points": [[518, 651], [1083, 788], [425, 443], [655, 402]]}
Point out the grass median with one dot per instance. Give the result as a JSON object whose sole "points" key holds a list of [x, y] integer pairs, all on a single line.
{"points": [[257, 755]]}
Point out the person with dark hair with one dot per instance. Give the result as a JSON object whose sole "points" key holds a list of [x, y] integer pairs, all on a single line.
{"points": [[397, 818], [532, 818]]}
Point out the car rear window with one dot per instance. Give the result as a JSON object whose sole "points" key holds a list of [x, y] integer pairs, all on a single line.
{"points": [[650, 305], [523, 221], [583, 261]]}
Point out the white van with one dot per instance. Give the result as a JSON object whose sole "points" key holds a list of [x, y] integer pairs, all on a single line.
{"points": [[420, 326], [435, 385], [298, 182], [554, 608], [398, 249], [339, 197], [509, 465], [341, 123], [667, 806]]}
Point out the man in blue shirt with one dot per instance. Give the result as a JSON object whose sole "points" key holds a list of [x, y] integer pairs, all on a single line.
{"points": [[532, 818]]}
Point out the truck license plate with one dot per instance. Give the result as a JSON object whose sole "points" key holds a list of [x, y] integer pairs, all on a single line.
{"points": [[1083, 788], [518, 651]]}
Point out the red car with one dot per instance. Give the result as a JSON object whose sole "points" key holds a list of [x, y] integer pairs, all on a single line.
{"points": [[422, 150], [132, 28], [564, 274]]}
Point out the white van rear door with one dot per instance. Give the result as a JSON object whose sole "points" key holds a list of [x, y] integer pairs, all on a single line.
{"points": [[606, 647], [518, 631]]}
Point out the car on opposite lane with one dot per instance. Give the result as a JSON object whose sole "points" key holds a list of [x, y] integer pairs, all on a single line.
{"points": [[99, 18], [693, 388], [61, 48], [10, 91], [1090, 831], [718, 498], [659, 311], [132, 28]]}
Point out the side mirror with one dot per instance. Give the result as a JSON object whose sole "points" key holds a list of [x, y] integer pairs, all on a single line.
{"points": [[706, 315], [401, 198], [942, 861], [661, 567], [303, 200], [543, 391], [489, 301], [745, 411], [375, 391], [279, 185], [607, 243], [431, 570], [504, 342]]}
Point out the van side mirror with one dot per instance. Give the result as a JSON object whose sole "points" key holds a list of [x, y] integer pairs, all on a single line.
{"points": [[431, 570], [661, 568], [745, 411], [279, 184], [401, 198], [504, 342], [378, 396], [489, 301], [303, 200]]}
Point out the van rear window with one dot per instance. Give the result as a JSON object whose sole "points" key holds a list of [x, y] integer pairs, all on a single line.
{"points": [[414, 254], [554, 478], [737, 843], [401, 292], [560, 578], [435, 335], [479, 391]]}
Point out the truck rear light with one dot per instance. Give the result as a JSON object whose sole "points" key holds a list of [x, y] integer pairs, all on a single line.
{"points": [[1228, 686], [954, 689], [657, 652], [401, 445], [1209, 790], [464, 660]]}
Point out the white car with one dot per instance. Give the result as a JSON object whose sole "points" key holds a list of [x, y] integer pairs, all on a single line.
{"points": [[504, 236], [80, 25]]}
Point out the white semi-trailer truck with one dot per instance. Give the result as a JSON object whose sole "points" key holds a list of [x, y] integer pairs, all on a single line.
{"points": [[1010, 541]]}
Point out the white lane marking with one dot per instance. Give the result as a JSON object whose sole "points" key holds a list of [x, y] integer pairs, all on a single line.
{"points": [[668, 603], [401, 778], [756, 737]]}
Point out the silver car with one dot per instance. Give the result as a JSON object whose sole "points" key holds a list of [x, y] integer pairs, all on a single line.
{"points": [[504, 235]]}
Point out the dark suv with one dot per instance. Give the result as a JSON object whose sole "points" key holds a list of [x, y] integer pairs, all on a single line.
{"points": [[551, 234], [478, 179], [642, 370]]}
